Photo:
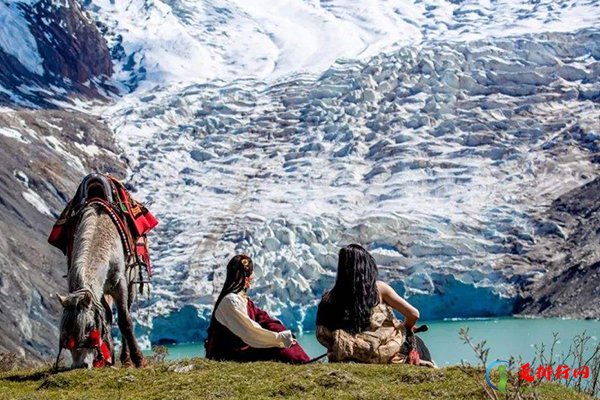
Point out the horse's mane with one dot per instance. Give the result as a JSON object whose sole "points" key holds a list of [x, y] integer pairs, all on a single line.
{"points": [[93, 245]]}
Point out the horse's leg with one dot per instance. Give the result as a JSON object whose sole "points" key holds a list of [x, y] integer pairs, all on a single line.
{"points": [[107, 302], [125, 354], [125, 358], [126, 324]]}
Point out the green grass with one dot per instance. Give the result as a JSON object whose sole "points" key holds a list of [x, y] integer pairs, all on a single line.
{"points": [[225, 380]]}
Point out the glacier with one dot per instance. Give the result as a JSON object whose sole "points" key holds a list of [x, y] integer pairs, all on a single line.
{"points": [[160, 42], [435, 157]]}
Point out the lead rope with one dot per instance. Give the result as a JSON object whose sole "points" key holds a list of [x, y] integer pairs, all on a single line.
{"points": [[57, 359], [141, 283], [312, 360]]}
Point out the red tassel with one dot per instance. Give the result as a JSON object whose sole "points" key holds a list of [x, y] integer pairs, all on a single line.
{"points": [[106, 352], [70, 343], [413, 357], [95, 337]]}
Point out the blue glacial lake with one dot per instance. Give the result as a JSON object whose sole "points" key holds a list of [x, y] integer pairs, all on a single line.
{"points": [[505, 337]]}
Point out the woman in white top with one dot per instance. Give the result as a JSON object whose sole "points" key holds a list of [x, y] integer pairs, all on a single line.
{"points": [[240, 331]]}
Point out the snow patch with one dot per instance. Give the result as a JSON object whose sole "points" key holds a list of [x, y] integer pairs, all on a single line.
{"points": [[13, 134], [16, 38], [90, 149], [35, 200]]}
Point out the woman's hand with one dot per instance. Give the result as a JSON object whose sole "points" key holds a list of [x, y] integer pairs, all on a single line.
{"points": [[287, 338]]}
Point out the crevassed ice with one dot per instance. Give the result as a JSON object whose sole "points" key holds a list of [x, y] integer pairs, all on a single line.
{"points": [[435, 157], [433, 154], [169, 41]]}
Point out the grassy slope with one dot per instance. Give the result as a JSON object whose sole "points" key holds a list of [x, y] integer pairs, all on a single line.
{"points": [[212, 380]]}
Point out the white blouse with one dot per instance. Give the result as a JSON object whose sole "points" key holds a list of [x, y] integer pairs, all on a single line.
{"points": [[233, 314]]}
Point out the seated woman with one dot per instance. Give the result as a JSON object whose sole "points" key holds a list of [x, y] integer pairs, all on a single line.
{"points": [[355, 320], [240, 331]]}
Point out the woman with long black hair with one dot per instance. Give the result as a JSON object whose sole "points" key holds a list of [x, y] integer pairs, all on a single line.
{"points": [[240, 331], [355, 320]]}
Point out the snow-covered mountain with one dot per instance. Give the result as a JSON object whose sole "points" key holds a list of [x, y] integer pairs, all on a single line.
{"points": [[182, 41], [436, 133]]}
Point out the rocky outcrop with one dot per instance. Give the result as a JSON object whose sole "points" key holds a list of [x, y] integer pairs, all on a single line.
{"points": [[64, 54], [43, 156], [50, 53], [569, 253]]}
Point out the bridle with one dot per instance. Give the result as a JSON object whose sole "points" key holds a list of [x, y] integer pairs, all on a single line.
{"points": [[95, 339]]}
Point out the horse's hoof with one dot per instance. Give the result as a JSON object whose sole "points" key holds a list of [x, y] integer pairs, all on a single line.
{"points": [[127, 363], [139, 361]]}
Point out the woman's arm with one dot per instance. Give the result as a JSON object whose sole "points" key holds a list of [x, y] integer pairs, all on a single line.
{"points": [[232, 313], [324, 336], [390, 297]]}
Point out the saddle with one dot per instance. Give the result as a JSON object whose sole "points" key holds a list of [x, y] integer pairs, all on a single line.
{"points": [[133, 219], [94, 186]]}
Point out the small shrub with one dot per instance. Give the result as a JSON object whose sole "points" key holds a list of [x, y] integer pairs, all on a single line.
{"points": [[160, 353], [8, 361], [519, 389]]}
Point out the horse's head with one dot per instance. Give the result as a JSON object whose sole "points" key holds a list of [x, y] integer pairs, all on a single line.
{"points": [[78, 321]]}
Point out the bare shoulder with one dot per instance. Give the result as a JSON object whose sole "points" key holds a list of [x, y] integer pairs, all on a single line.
{"points": [[383, 287]]}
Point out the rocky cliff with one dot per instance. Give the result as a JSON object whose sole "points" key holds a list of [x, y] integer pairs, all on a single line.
{"points": [[51, 55], [50, 52], [569, 256], [43, 156]]}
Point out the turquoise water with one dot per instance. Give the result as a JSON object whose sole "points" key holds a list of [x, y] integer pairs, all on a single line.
{"points": [[505, 337]]}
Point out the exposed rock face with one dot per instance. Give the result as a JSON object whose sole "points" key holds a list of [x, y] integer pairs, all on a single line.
{"points": [[570, 254], [65, 54], [81, 54], [43, 156], [50, 52]]}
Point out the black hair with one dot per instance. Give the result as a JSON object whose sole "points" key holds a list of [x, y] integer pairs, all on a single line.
{"points": [[354, 294], [238, 269]]}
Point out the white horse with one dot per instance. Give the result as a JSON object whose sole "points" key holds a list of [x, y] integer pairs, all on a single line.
{"points": [[97, 275]]}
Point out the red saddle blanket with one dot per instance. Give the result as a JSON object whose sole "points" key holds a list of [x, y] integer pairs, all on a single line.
{"points": [[133, 217]]}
